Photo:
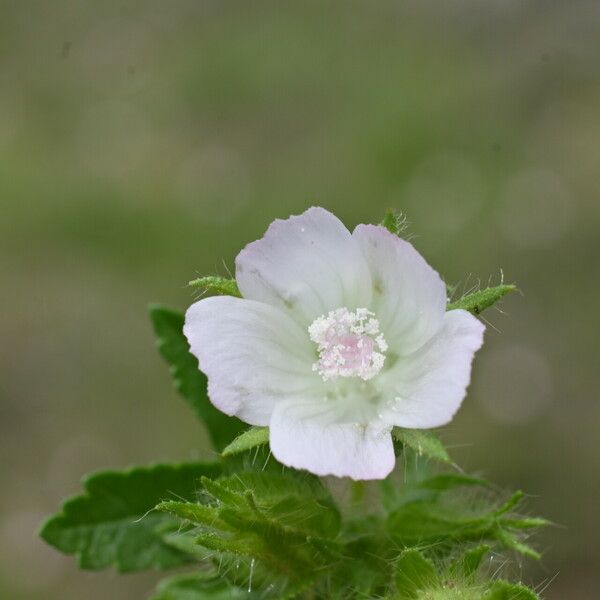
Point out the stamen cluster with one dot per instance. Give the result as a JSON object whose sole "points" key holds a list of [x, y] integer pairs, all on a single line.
{"points": [[349, 344]]}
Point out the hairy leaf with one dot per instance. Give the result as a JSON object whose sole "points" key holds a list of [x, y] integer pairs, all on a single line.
{"points": [[216, 285], [295, 504], [298, 502], [478, 301], [527, 523], [109, 525], [198, 586], [253, 437], [193, 512], [189, 380], [394, 222], [428, 523], [413, 574], [423, 442], [512, 542], [468, 564], [502, 590], [284, 521], [250, 573], [413, 488], [445, 523], [184, 539], [448, 481]]}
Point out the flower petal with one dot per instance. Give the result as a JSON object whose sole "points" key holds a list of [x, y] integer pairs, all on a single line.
{"points": [[306, 265], [252, 353], [429, 386], [305, 435], [409, 297]]}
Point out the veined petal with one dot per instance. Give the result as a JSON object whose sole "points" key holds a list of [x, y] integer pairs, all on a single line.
{"points": [[428, 386], [306, 265], [252, 353], [306, 435], [409, 297]]}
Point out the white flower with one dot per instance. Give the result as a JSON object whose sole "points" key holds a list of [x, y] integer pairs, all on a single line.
{"points": [[338, 338]]}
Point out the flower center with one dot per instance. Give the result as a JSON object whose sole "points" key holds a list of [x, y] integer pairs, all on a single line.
{"points": [[349, 343]]}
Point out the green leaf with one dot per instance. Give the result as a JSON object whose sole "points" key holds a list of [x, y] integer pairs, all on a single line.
{"points": [[469, 563], [414, 573], [216, 285], [109, 525], [423, 442], [184, 539], [396, 494], [255, 436], [394, 222], [224, 495], [448, 481], [478, 301], [510, 541], [527, 523], [235, 545], [430, 522], [198, 586], [296, 502], [189, 380], [503, 590], [445, 523], [246, 573], [193, 512], [511, 503], [286, 522]]}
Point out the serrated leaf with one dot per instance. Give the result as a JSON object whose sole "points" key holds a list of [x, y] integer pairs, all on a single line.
{"points": [[196, 586], [478, 301], [414, 573], [216, 285], [108, 525], [503, 590], [423, 442], [253, 437], [190, 382]]}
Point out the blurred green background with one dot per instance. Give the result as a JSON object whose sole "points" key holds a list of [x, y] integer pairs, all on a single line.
{"points": [[143, 143]]}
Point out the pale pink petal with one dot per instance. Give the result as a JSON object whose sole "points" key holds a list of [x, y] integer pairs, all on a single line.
{"points": [[428, 387], [409, 297], [306, 265], [252, 353], [306, 435]]}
